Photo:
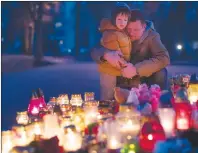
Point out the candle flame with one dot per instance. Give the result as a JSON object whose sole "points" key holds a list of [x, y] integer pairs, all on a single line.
{"points": [[35, 110]]}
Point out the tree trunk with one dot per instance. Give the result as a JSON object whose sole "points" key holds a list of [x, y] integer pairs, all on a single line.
{"points": [[37, 45], [77, 28]]}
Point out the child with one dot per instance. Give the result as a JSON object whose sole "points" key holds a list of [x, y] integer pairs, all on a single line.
{"points": [[114, 38]]}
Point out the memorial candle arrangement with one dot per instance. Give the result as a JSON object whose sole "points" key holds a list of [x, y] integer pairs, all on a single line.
{"points": [[76, 124]]}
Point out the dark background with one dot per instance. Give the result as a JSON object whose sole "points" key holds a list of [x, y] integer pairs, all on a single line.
{"points": [[71, 28]]}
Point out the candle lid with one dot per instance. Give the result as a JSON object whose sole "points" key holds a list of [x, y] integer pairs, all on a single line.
{"points": [[22, 113], [69, 127]]}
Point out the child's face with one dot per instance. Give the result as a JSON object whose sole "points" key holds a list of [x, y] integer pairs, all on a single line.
{"points": [[121, 21]]}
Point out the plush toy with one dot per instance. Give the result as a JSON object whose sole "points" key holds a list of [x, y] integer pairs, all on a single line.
{"points": [[173, 145], [145, 108], [144, 93], [155, 93], [165, 99], [181, 95], [140, 96], [121, 95], [133, 98]]}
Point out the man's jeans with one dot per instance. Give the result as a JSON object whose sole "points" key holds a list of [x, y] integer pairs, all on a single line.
{"points": [[108, 83]]}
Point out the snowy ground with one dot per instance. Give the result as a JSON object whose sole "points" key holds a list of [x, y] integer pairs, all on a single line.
{"points": [[67, 77]]}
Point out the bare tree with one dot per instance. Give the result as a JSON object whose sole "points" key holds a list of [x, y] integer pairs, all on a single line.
{"points": [[36, 12]]}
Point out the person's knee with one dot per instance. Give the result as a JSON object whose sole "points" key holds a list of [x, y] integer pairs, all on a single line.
{"points": [[107, 85], [161, 78]]}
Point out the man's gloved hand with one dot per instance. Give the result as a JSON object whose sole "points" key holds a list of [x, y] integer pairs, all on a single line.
{"points": [[129, 71], [115, 58]]}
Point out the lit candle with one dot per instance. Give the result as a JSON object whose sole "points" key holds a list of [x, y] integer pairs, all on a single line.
{"points": [[130, 127], [183, 115], [22, 118], [193, 98], [76, 100], [91, 114], [7, 141], [21, 138], [51, 126], [113, 143], [193, 92], [167, 120], [63, 99], [129, 121], [51, 104], [182, 124], [35, 111], [79, 122], [66, 121], [73, 141], [89, 96], [37, 128], [65, 107], [111, 129]]}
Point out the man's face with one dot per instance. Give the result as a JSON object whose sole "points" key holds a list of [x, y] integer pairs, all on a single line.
{"points": [[135, 30]]}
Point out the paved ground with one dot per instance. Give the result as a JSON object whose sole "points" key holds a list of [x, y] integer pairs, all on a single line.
{"points": [[70, 77]]}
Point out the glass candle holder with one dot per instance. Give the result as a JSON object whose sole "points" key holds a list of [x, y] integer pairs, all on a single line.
{"points": [[72, 140], [89, 96], [7, 141], [129, 122], [66, 121], [22, 118], [63, 99], [21, 138], [51, 104], [76, 100], [114, 139], [51, 126], [193, 93], [78, 121], [91, 114], [65, 107], [167, 120]]}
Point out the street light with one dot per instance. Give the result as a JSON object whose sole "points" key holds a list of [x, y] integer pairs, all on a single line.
{"points": [[179, 47]]}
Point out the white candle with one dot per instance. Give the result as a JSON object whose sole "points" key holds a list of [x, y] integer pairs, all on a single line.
{"points": [[182, 123], [21, 138], [76, 100], [129, 122], [37, 129], [35, 111], [111, 129], [113, 142], [167, 120], [193, 98], [7, 141], [22, 118], [73, 141], [91, 114], [130, 127], [51, 126]]}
